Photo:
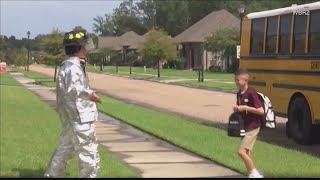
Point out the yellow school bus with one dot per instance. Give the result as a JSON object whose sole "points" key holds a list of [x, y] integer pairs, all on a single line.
{"points": [[281, 50]]}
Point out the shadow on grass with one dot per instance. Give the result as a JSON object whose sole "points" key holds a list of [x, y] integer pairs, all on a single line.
{"points": [[27, 173], [44, 81], [32, 173], [41, 79]]}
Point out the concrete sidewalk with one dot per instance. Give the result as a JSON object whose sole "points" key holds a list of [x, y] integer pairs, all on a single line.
{"points": [[148, 156]]}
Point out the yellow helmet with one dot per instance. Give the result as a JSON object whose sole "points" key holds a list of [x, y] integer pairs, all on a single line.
{"points": [[75, 38]]}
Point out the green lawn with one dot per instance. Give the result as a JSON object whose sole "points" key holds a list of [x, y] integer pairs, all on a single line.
{"points": [[44, 80], [6, 80], [142, 76], [39, 78], [30, 133], [168, 74], [210, 85], [165, 73]]}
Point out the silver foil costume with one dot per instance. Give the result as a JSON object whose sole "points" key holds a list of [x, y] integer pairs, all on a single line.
{"points": [[77, 114]]}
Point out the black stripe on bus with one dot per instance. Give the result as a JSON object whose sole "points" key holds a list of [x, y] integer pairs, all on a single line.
{"points": [[269, 71], [297, 87], [280, 57], [257, 83]]}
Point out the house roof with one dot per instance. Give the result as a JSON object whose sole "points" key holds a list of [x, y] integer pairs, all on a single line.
{"points": [[206, 26], [109, 42], [131, 39]]}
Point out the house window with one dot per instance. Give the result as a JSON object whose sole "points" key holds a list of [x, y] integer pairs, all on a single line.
{"points": [[299, 34], [271, 34], [285, 31], [314, 35], [257, 36]]}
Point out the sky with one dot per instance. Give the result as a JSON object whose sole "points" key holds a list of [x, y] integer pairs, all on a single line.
{"points": [[40, 17]]}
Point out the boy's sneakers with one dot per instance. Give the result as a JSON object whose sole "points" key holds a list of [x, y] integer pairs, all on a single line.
{"points": [[255, 174]]}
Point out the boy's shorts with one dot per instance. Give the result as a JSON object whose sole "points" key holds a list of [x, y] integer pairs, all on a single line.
{"points": [[249, 139]]}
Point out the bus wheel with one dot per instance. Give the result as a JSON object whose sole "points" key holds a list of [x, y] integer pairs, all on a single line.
{"points": [[300, 125]]}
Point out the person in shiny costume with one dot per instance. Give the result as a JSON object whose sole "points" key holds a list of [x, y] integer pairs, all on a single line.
{"points": [[76, 105]]}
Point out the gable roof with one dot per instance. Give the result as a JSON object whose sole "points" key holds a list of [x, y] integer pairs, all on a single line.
{"points": [[108, 42], [131, 39], [117, 42], [206, 26]]}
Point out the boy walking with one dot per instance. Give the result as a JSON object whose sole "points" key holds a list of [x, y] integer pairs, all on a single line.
{"points": [[250, 107]]}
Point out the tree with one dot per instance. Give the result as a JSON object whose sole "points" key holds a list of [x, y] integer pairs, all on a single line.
{"points": [[2, 56], [158, 47], [147, 12], [170, 15], [52, 45], [174, 16], [126, 18], [21, 57], [131, 56], [3, 47], [106, 53], [224, 40], [3, 44], [104, 27]]}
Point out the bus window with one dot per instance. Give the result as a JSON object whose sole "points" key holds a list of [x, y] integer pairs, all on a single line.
{"points": [[299, 34], [285, 30], [271, 35], [257, 36], [314, 36]]}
